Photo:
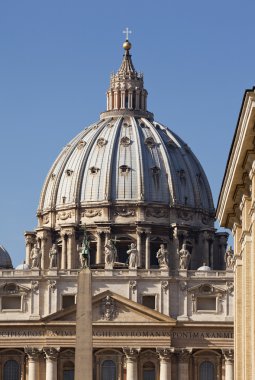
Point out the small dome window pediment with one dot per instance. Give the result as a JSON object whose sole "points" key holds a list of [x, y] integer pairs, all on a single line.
{"points": [[53, 175], [69, 172], [142, 125], [126, 125], [81, 144], [93, 170], [101, 142], [155, 170], [124, 169], [181, 173], [125, 141], [110, 125], [157, 126], [11, 288], [149, 141]]}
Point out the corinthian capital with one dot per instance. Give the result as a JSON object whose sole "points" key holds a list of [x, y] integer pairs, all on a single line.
{"points": [[51, 352], [131, 353], [32, 352], [165, 353]]}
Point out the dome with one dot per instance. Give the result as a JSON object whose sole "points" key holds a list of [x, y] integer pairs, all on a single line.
{"points": [[5, 260], [125, 158], [204, 268], [23, 266]]}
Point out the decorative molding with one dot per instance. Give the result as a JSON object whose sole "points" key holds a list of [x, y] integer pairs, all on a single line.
{"points": [[164, 285], [64, 215], [157, 212], [32, 352], [133, 285], [125, 141], [91, 213], [124, 211], [101, 142], [81, 144], [52, 285], [51, 352], [108, 308], [34, 286]]}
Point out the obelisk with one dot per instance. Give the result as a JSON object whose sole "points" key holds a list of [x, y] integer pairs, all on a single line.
{"points": [[84, 344]]}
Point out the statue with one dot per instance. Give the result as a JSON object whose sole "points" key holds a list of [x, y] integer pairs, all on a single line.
{"points": [[110, 254], [53, 256], [35, 257], [133, 256], [85, 252], [184, 257], [229, 258], [162, 256]]}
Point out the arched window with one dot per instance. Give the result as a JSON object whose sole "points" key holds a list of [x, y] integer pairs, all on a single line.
{"points": [[108, 370], [206, 371], [149, 372], [11, 370], [68, 371]]}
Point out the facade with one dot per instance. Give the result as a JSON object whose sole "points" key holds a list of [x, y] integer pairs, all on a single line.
{"points": [[131, 192], [236, 211]]}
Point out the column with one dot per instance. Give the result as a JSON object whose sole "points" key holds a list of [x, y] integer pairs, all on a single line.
{"points": [[70, 248], [137, 100], [165, 356], [63, 252], [33, 362], [183, 364], [130, 100], [148, 250], [51, 355], [131, 362], [122, 100], [99, 248], [43, 253], [115, 100], [139, 245], [229, 364]]}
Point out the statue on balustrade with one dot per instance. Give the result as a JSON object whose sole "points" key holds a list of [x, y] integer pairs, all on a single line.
{"points": [[229, 258], [85, 252], [184, 257], [132, 256], [110, 254], [53, 256], [35, 257], [162, 256]]}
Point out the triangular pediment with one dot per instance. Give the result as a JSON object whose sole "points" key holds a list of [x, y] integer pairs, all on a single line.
{"points": [[112, 308]]}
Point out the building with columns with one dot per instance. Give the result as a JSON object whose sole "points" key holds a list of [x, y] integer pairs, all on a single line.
{"points": [[130, 192], [236, 212]]}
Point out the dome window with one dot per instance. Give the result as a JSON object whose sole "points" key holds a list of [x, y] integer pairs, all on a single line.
{"points": [[101, 142], [150, 142], [93, 170], [109, 125], [125, 141], [81, 144], [155, 170], [69, 172], [124, 169], [53, 175]]}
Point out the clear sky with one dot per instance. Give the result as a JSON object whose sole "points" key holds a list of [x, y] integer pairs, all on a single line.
{"points": [[56, 57]]}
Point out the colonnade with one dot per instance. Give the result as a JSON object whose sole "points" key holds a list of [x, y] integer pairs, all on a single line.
{"points": [[132, 357]]}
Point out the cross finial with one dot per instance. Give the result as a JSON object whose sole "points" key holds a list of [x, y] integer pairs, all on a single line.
{"points": [[127, 32]]}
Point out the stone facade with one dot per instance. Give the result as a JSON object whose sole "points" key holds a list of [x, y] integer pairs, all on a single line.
{"points": [[236, 211]]}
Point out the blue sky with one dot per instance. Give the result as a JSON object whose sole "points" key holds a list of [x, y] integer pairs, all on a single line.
{"points": [[56, 57]]}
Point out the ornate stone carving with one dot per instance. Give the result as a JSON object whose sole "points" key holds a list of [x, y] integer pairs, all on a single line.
{"points": [[184, 355], [51, 352], [183, 285], [229, 258], [101, 142], [69, 172], [90, 213], [34, 286], [164, 285], [52, 285], [184, 215], [131, 353], [110, 254], [53, 256], [162, 256], [108, 309], [228, 355], [157, 212], [32, 352], [125, 141], [46, 219], [64, 215], [164, 353], [124, 211], [184, 257], [133, 285], [230, 287], [35, 257], [133, 256]]}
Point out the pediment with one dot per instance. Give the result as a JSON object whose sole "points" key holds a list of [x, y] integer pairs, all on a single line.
{"points": [[112, 308]]}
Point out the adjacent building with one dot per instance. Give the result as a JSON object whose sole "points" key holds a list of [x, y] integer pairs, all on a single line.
{"points": [[236, 212]]}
